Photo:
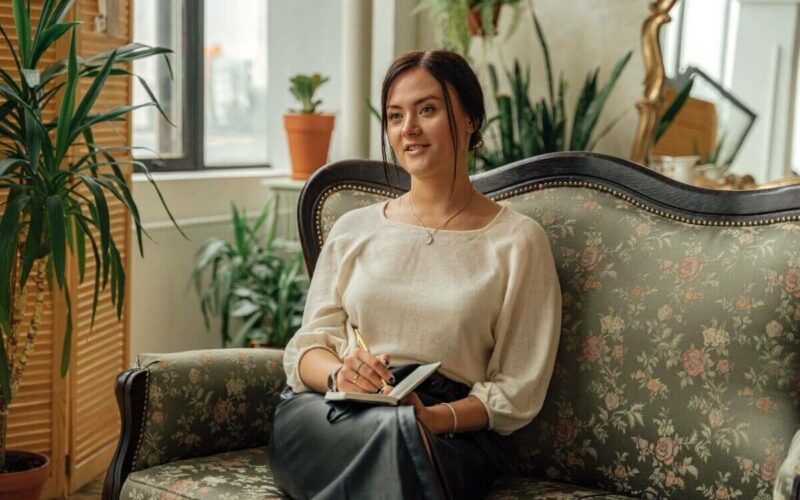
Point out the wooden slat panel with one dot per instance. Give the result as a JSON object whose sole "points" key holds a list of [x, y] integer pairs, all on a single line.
{"points": [[101, 354]]}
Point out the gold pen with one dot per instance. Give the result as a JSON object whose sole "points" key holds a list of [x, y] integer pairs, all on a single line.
{"points": [[363, 345]]}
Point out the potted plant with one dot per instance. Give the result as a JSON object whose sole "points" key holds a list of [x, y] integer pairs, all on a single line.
{"points": [[57, 180], [249, 281], [459, 20], [308, 132], [525, 129]]}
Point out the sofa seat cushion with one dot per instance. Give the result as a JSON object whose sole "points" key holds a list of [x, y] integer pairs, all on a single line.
{"points": [[245, 474], [239, 475], [512, 488]]}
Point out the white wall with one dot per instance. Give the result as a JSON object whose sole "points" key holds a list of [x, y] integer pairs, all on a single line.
{"points": [[165, 316], [304, 36]]}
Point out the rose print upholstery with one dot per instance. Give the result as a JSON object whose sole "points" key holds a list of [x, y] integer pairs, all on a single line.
{"points": [[678, 372]]}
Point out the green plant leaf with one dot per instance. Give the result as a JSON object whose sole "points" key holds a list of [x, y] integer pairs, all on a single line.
{"points": [[67, 103], [672, 111], [67, 344], [23, 24], [32, 241], [56, 222]]}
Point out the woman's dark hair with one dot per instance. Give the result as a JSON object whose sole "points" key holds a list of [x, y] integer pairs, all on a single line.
{"points": [[446, 67]]}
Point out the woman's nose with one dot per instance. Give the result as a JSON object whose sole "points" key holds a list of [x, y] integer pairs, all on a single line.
{"points": [[410, 127]]}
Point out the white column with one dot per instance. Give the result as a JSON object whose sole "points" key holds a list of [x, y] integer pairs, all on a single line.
{"points": [[356, 72]]}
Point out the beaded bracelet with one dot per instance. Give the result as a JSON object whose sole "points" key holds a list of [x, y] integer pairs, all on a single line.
{"points": [[455, 420]]}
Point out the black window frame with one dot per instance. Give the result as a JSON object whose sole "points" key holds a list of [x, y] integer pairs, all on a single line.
{"points": [[193, 88]]}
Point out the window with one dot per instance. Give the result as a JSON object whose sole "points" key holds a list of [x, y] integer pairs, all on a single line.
{"points": [[218, 96]]}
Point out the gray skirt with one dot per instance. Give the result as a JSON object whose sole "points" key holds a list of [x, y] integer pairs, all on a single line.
{"points": [[320, 449]]}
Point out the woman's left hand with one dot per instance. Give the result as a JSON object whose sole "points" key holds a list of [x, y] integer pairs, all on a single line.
{"points": [[423, 412]]}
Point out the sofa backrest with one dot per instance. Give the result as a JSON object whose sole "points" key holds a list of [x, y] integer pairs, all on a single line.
{"points": [[678, 371]]}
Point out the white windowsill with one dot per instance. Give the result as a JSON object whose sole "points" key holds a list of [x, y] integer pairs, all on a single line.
{"points": [[201, 175]]}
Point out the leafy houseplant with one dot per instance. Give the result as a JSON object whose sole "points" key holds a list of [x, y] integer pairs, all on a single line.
{"points": [[58, 181], [250, 281], [527, 129], [459, 20], [308, 132]]}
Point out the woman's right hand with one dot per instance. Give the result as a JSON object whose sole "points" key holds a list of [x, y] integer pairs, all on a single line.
{"points": [[370, 370]]}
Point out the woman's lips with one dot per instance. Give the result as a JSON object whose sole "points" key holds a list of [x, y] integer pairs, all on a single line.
{"points": [[416, 150]]}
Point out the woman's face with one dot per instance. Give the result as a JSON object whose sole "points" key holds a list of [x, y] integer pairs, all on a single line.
{"points": [[418, 127]]}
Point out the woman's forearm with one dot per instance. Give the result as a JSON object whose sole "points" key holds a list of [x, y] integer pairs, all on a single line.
{"points": [[314, 367], [470, 412]]}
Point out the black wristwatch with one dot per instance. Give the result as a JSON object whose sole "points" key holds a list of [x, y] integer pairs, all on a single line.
{"points": [[332, 380]]}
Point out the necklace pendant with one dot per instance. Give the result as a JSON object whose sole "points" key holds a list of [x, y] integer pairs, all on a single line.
{"points": [[429, 240]]}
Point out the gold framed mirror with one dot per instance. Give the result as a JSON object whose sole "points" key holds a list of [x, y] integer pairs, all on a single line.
{"points": [[737, 62]]}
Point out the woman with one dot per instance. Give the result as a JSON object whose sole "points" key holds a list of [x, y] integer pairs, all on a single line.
{"points": [[441, 273]]}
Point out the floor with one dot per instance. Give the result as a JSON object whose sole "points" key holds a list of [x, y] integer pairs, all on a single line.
{"points": [[90, 491]]}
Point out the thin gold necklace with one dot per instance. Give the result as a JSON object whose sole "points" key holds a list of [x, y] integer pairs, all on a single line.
{"points": [[431, 234]]}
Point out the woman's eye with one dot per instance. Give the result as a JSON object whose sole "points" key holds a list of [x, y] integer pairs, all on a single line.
{"points": [[426, 109], [394, 116]]}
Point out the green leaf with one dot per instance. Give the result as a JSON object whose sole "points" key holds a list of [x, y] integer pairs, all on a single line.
{"points": [[23, 23], [672, 111], [47, 38], [32, 241], [56, 222], [67, 346], [91, 94], [63, 131], [5, 165]]}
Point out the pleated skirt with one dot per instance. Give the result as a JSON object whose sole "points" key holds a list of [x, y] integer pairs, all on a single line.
{"points": [[340, 450]]}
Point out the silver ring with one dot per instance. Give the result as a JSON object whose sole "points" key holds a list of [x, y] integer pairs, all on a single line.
{"points": [[356, 378], [359, 367]]}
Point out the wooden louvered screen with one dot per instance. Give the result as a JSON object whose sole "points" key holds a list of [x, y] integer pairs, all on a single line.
{"points": [[75, 419], [101, 354]]}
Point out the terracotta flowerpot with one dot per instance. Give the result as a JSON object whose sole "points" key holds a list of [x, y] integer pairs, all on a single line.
{"points": [[475, 22], [24, 484], [309, 138]]}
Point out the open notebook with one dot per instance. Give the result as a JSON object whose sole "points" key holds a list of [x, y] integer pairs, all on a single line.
{"points": [[400, 391]]}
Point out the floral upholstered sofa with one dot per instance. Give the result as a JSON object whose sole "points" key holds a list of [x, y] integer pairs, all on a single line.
{"points": [[678, 372]]}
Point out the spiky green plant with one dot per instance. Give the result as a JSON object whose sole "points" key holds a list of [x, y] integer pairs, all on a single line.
{"points": [[303, 88], [248, 280], [522, 129], [45, 166]]}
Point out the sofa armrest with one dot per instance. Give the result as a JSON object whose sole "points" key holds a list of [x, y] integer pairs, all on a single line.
{"points": [[193, 404], [787, 484]]}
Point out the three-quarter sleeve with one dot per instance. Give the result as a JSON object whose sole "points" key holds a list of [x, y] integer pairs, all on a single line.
{"points": [[526, 335], [324, 319]]}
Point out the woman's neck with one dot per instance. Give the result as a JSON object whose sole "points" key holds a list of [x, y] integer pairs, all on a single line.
{"points": [[433, 198]]}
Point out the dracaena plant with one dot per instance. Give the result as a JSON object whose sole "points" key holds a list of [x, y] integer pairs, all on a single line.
{"points": [[58, 181]]}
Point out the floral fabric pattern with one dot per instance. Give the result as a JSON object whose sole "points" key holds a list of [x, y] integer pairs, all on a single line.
{"points": [[205, 402], [678, 370], [238, 475], [523, 488]]}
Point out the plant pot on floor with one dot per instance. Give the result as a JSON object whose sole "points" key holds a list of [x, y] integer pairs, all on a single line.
{"points": [[309, 136], [28, 471]]}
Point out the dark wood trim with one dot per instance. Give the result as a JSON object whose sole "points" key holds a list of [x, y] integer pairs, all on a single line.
{"points": [[131, 392], [639, 185]]}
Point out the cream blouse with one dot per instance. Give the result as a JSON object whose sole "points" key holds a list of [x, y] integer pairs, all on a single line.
{"points": [[485, 302]]}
